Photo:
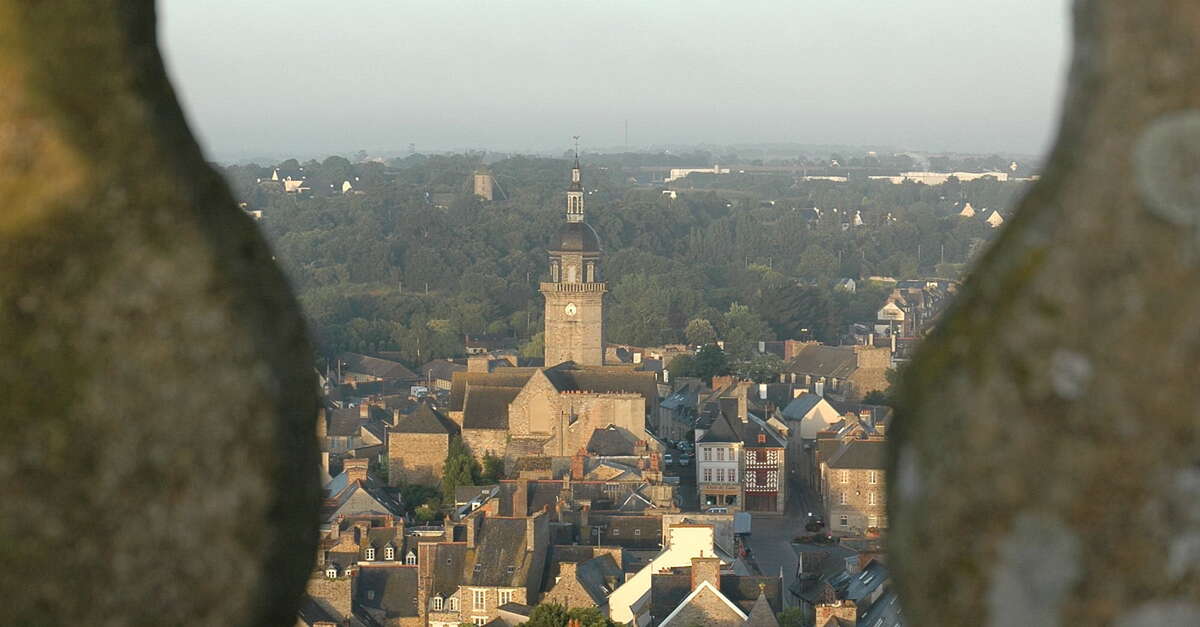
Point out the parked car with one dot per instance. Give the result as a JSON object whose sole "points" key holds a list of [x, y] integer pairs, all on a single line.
{"points": [[717, 510], [668, 459], [685, 459]]}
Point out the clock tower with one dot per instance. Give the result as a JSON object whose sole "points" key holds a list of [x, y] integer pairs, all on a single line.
{"points": [[575, 292]]}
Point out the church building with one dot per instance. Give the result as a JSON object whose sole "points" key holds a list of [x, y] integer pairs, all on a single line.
{"points": [[554, 410]]}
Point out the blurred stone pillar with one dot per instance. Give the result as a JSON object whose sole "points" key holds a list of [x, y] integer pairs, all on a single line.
{"points": [[1044, 460], [157, 397]]}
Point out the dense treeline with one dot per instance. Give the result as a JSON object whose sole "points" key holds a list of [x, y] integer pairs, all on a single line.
{"points": [[410, 261]]}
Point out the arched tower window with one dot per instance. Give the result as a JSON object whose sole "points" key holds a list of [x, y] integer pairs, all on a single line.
{"points": [[554, 272], [571, 273], [591, 272]]}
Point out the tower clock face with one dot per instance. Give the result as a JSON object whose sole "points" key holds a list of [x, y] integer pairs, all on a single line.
{"points": [[570, 309]]}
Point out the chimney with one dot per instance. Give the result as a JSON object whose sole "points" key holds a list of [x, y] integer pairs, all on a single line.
{"points": [[743, 408], [325, 461], [361, 528], [706, 569], [566, 570], [585, 515], [447, 530], [472, 528], [577, 465], [322, 426], [531, 528], [479, 363], [871, 338], [666, 376], [520, 499], [364, 410], [335, 530], [355, 468], [762, 391]]}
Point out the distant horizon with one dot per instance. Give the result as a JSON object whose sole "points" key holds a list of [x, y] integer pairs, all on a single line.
{"points": [[266, 157]]}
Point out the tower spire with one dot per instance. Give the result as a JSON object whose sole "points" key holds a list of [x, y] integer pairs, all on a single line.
{"points": [[575, 190]]}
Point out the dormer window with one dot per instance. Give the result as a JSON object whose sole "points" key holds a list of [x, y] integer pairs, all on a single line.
{"points": [[331, 572], [369, 554], [437, 603], [452, 604], [410, 559], [389, 553]]}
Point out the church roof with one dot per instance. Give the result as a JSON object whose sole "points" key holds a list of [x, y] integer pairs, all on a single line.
{"points": [[569, 377], [576, 237], [486, 406]]}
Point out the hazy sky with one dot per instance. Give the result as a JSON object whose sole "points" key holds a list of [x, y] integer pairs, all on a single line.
{"points": [[306, 77]]}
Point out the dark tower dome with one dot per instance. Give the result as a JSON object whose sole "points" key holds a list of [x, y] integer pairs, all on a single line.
{"points": [[576, 237]]}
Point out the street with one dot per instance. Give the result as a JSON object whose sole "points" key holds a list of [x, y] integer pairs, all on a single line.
{"points": [[771, 538]]}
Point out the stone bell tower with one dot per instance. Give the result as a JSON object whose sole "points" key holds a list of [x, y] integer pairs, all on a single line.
{"points": [[575, 292]]}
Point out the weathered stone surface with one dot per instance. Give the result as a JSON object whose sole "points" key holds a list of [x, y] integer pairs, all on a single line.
{"points": [[1053, 415], [157, 449]]}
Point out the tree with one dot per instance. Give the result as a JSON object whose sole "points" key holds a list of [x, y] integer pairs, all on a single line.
{"points": [[746, 330], [760, 368], [493, 470], [700, 332], [460, 467], [791, 617], [683, 366], [535, 347], [555, 615], [875, 397], [710, 362]]}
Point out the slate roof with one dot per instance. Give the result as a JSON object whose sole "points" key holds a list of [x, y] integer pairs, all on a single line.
{"points": [[425, 419], [762, 615], [800, 406], [722, 430], [359, 498], [311, 612], [599, 576], [464, 493], [505, 377], [486, 406], [744, 590], [884, 612], [501, 557], [375, 367], [667, 591], [440, 369], [823, 361], [875, 574], [389, 589], [861, 454], [751, 431], [380, 537], [449, 564], [569, 377], [611, 442], [576, 237], [345, 422]]}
